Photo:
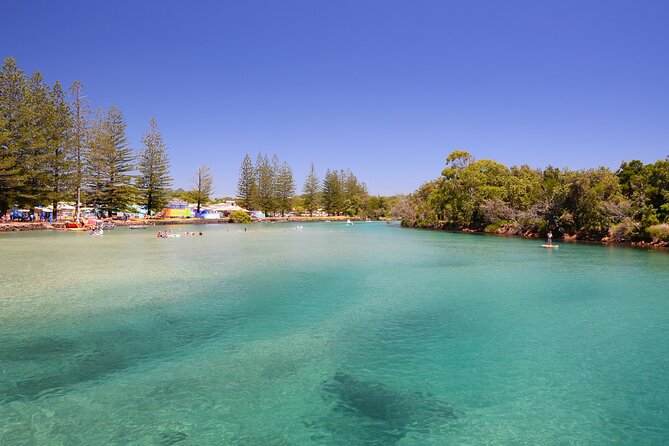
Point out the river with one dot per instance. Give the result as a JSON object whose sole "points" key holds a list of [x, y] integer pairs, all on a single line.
{"points": [[368, 334]]}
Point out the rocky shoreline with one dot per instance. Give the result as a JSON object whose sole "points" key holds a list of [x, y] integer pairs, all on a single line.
{"points": [[33, 226], [589, 238], [513, 231]]}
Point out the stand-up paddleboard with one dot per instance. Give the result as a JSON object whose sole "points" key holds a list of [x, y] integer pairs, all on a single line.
{"points": [[550, 246]]}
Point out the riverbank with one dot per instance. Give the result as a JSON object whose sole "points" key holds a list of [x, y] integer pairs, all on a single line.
{"points": [[588, 238], [25, 226], [41, 226], [513, 231]]}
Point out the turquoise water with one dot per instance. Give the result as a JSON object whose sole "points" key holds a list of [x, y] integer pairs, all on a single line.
{"points": [[330, 335]]}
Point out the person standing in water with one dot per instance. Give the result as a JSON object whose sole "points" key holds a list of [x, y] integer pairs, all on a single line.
{"points": [[550, 237]]}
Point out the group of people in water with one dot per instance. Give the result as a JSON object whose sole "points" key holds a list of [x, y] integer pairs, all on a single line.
{"points": [[169, 234], [96, 231]]}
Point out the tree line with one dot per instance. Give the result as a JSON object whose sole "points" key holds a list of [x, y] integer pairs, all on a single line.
{"points": [[53, 149], [269, 186], [630, 204]]}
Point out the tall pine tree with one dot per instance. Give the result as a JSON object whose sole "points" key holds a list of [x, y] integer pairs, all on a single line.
{"points": [[265, 183], [33, 125], [276, 172], [311, 191], [12, 90], [95, 166], [153, 165], [333, 199], [8, 168], [285, 188], [80, 138], [59, 165], [110, 164], [247, 186]]}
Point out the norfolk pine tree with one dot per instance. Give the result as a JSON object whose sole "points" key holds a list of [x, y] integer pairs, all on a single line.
{"points": [[119, 190], [247, 186], [59, 163], [332, 194], [276, 173], [311, 191], [32, 122], [80, 137], [153, 165], [12, 85], [95, 166], [285, 188], [8, 168], [265, 184], [110, 162]]}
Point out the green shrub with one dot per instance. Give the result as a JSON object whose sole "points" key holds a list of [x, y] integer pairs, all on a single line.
{"points": [[493, 227], [240, 217], [660, 232], [648, 220], [623, 231]]}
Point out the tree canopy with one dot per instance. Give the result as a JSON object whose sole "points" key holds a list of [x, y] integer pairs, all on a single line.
{"points": [[589, 203]]}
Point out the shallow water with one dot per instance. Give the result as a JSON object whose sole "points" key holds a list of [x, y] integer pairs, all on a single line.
{"points": [[330, 335]]}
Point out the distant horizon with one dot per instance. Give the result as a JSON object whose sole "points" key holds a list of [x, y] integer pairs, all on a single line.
{"points": [[386, 90]]}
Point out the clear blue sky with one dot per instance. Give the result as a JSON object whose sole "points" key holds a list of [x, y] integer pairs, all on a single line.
{"points": [[386, 88]]}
